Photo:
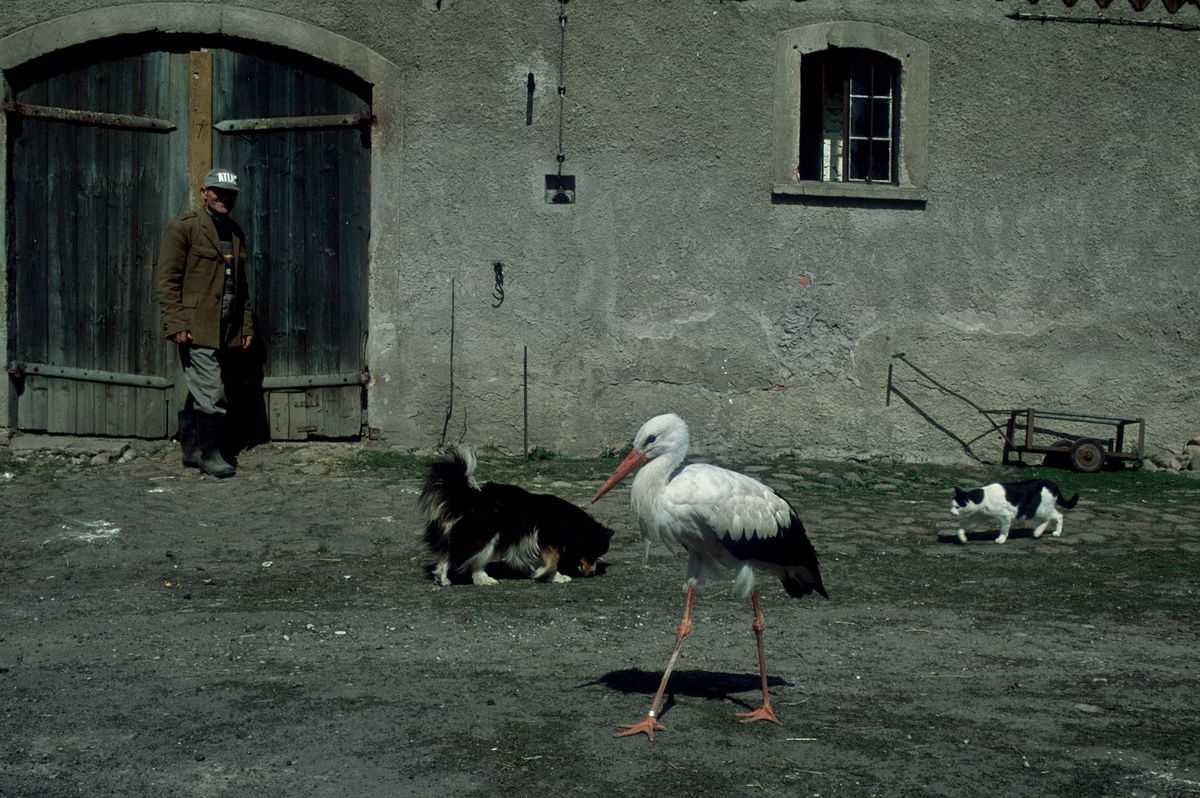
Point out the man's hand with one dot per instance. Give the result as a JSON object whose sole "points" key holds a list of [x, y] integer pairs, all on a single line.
{"points": [[182, 338], [246, 341]]}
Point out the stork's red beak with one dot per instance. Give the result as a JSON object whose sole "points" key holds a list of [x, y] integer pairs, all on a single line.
{"points": [[632, 462]]}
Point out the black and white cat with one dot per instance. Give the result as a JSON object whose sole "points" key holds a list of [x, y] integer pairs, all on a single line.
{"points": [[1035, 499]]}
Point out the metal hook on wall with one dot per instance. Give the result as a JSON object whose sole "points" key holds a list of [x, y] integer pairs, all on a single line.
{"points": [[498, 291]]}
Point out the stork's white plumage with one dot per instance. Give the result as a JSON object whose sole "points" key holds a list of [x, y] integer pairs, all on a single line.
{"points": [[725, 521]]}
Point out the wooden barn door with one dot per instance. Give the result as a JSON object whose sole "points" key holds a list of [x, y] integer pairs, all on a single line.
{"points": [[92, 180], [103, 153], [300, 144]]}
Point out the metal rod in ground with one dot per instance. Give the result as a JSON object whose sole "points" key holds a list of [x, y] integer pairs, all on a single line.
{"points": [[525, 400], [450, 400]]}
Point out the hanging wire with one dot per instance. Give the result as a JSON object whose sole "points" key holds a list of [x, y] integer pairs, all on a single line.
{"points": [[560, 190], [562, 82]]}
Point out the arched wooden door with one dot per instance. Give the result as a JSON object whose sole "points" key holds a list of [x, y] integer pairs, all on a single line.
{"points": [[92, 148], [103, 153]]}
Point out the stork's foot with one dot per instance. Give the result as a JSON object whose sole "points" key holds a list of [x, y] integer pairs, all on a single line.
{"points": [[762, 713], [648, 727]]}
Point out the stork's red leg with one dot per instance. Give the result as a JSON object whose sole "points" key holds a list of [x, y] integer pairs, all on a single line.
{"points": [[764, 712], [650, 724]]}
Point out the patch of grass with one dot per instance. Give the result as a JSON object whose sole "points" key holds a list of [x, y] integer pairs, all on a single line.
{"points": [[1129, 485], [544, 467], [41, 466], [398, 464], [919, 480], [869, 483], [518, 471]]}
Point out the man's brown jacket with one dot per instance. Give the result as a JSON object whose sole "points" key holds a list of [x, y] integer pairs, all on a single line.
{"points": [[190, 278]]}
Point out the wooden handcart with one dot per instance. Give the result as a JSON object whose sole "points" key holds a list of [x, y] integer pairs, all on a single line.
{"points": [[1087, 453], [1022, 433]]}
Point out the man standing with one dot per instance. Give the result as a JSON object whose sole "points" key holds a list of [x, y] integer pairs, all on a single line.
{"points": [[201, 284]]}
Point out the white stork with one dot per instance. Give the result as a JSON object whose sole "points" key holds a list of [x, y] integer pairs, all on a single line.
{"points": [[725, 520]]}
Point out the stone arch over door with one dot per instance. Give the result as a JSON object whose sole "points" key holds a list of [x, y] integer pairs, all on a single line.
{"points": [[248, 25]]}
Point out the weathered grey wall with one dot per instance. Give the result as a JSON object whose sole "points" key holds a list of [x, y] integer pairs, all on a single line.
{"points": [[1053, 265]]}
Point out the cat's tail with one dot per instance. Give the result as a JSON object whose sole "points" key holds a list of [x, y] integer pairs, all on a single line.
{"points": [[1068, 503]]}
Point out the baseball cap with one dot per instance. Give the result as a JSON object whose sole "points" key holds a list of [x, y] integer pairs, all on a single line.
{"points": [[221, 178]]}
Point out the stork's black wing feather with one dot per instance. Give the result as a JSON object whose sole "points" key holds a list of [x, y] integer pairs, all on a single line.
{"points": [[789, 549]]}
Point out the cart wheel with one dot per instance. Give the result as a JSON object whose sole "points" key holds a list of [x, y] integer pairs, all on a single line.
{"points": [[1087, 455]]}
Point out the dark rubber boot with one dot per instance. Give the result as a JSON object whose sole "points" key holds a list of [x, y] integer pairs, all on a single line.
{"points": [[208, 435], [188, 440]]}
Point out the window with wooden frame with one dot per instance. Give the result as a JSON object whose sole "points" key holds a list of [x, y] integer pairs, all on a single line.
{"points": [[851, 105], [847, 117]]}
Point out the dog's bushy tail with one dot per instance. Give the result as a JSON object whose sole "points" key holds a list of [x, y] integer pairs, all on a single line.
{"points": [[449, 488]]}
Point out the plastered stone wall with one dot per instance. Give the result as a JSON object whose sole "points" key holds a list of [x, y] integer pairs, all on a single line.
{"points": [[1052, 265]]}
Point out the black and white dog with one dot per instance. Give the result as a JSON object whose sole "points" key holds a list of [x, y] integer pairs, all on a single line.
{"points": [[469, 526]]}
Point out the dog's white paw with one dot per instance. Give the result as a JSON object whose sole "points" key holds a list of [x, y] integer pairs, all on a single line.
{"points": [[481, 578], [560, 579], [441, 574]]}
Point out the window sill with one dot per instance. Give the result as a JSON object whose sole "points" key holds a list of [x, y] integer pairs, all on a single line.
{"points": [[875, 192]]}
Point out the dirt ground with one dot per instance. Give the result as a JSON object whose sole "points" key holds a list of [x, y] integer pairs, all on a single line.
{"points": [[277, 634]]}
